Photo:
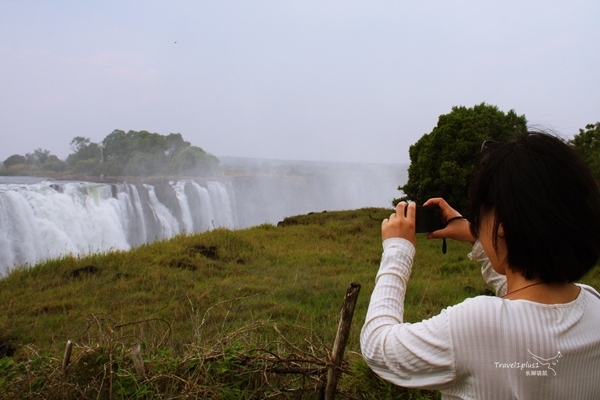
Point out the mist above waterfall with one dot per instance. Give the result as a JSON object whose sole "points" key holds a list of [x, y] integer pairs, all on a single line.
{"points": [[268, 190], [42, 219]]}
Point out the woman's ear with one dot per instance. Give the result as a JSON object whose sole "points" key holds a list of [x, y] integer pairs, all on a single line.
{"points": [[501, 231]]}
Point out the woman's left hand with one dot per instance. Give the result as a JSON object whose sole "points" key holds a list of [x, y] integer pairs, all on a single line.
{"points": [[401, 224]]}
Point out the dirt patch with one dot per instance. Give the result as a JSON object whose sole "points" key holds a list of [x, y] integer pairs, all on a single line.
{"points": [[83, 271], [208, 252], [7, 349]]}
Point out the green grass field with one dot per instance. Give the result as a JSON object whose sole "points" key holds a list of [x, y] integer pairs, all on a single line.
{"points": [[225, 314]]}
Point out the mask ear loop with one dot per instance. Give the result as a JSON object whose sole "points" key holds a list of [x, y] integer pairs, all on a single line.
{"points": [[444, 247]]}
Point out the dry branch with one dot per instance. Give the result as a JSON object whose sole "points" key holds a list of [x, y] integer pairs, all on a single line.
{"points": [[67, 356], [341, 338]]}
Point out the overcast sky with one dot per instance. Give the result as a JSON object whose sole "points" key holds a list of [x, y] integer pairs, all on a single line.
{"points": [[356, 81]]}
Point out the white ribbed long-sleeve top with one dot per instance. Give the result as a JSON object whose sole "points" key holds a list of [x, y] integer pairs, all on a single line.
{"points": [[485, 347]]}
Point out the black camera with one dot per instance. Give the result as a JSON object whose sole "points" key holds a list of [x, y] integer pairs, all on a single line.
{"points": [[429, 219]]}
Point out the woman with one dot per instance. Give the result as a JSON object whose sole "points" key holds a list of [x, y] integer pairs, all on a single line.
{"points": [[535, 229]]}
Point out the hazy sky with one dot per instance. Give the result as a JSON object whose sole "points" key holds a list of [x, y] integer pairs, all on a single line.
{"points": [[302, 80]]}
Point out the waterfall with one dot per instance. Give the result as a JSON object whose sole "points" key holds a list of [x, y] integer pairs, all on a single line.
{"points": [[135, 226], [224, 216], [186, 213], [168, 223], [39, 222], [19, 234], [204, 208], [41, 219], [46, 220]]}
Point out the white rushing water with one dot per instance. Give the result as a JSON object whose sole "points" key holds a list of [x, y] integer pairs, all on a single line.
{"points": [[39, 222], [186, 212], [42, 219], [45, 220]]}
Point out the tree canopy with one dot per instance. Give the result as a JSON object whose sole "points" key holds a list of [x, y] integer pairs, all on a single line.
{"points": [[15, 159], [144, 153], [442, 161], [193, 160], [119, 154], [39, 162], [587, 144], [86, 157]]}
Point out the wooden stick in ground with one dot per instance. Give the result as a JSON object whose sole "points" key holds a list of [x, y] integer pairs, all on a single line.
{"points": [[67, 356], [138, 361], [341, 338]]}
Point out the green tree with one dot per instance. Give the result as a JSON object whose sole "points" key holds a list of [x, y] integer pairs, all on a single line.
{"points": [[86, 157], [176, 144], [54, 164], [15, 159], [442, 161], [38, 162], [144, 154], [143, 164], [89, 167], [115, 148], [587, 144], [38, 157], [129, 153], [79, 142], [194, 161]]}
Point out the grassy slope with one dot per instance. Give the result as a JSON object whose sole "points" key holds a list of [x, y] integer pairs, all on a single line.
{"points": [[224, 289]]}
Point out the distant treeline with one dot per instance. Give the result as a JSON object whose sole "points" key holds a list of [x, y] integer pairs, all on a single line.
{"points": [[119, 154]]}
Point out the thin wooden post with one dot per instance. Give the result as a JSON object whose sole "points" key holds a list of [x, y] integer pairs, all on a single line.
{"points": [[341, 338], [67, 356], [138, 361]]}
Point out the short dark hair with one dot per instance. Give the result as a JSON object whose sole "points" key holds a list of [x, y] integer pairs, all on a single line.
{"points": [[547, 201]]}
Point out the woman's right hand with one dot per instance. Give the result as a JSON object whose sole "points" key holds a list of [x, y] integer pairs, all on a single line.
{"points": [[459, 229]]}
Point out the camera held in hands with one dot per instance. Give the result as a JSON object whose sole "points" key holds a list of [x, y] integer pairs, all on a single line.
{"points": [[429, 219]]}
